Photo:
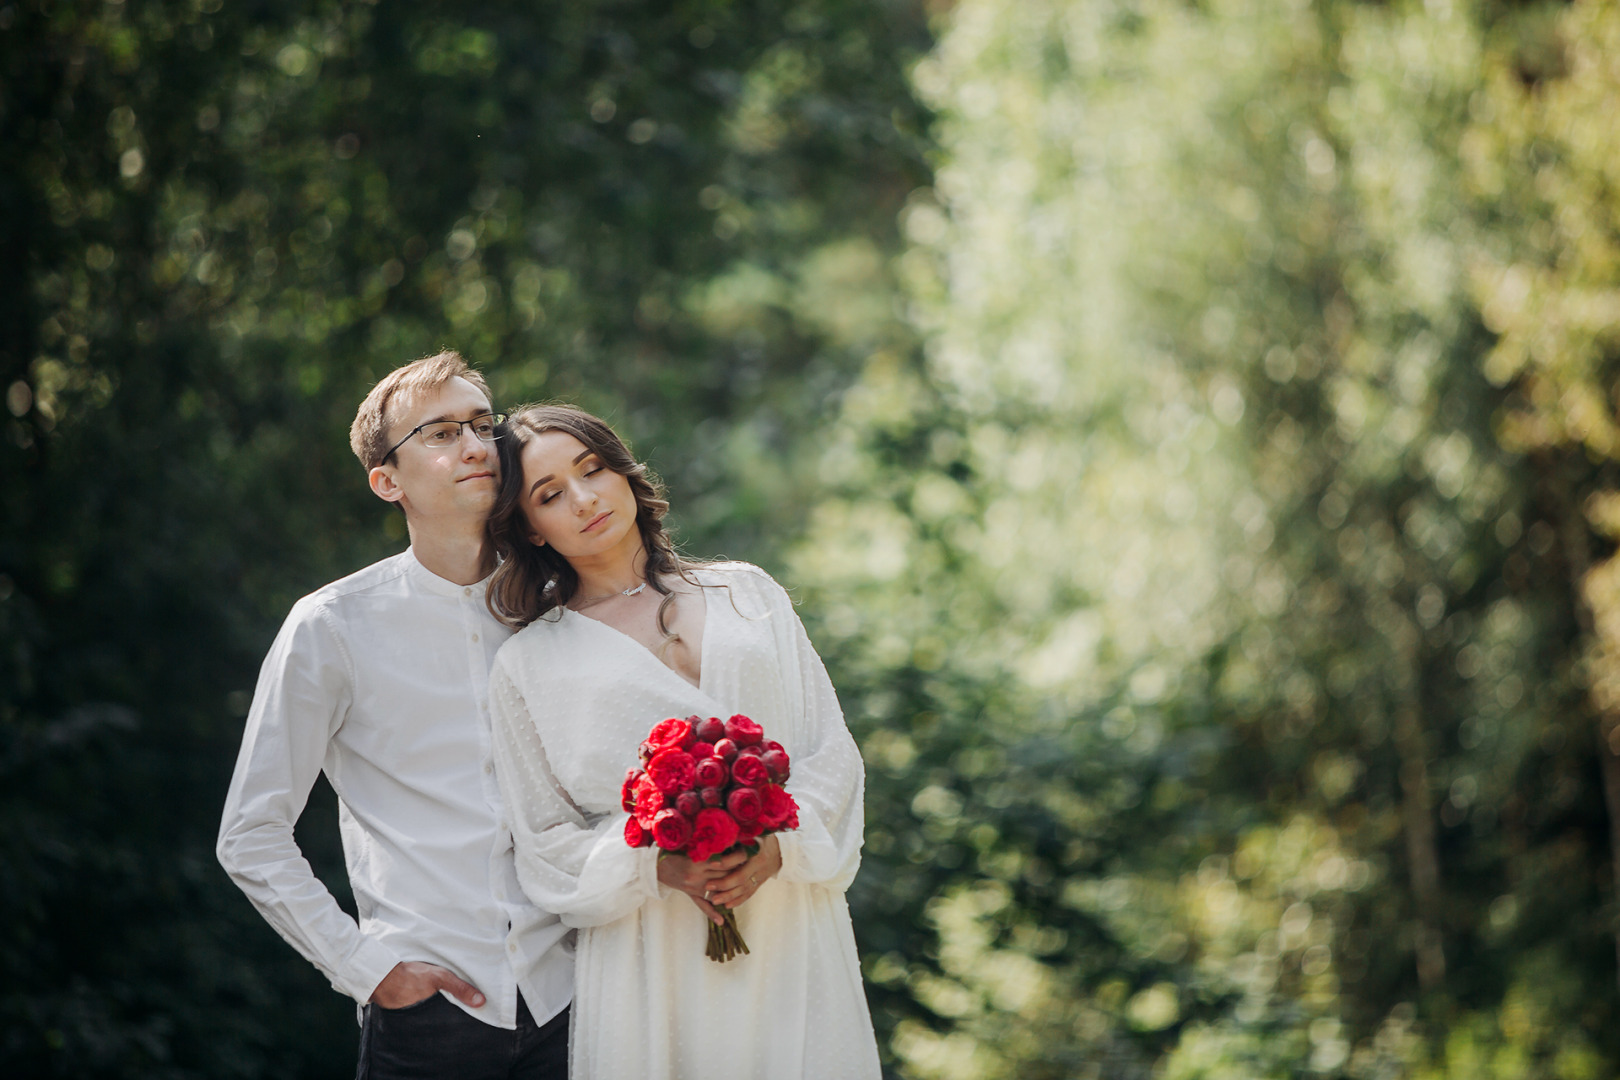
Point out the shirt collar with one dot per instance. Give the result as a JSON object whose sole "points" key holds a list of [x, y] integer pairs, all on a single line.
{"points": [[433, 583]]}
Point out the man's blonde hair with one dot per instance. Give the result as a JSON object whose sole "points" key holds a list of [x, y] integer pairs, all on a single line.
{"points": [[398, 390]]}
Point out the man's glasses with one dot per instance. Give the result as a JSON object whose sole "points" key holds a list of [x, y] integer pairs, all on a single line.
{"points": [[445, 433]]}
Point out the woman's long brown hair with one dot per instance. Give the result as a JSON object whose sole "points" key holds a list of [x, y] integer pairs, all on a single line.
{"points": [[531, 581]]}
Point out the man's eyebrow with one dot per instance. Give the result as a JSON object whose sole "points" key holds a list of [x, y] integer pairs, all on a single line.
{"points": [[443, 418], [587, 452]]}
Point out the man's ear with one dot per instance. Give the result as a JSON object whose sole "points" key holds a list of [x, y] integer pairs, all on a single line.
{"points": [[384, 485]]}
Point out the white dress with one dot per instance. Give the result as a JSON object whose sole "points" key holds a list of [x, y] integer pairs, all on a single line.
{"points": [[573, 699]]}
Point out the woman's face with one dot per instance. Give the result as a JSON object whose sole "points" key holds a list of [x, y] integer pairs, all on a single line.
{"points": [[573, 501]]}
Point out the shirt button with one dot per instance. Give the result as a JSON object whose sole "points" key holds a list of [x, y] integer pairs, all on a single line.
{"points": [[488, 769], [467, 591], [475, 637], [511, 948]]}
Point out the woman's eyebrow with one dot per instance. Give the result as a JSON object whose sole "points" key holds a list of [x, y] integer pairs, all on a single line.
{"points": [[552, 476]]}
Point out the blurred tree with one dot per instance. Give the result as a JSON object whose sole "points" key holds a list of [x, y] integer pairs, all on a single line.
{"points": [[1218, 667], [222, 222]]}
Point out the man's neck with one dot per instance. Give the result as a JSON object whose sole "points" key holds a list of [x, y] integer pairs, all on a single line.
{"points": [[462, 555]]}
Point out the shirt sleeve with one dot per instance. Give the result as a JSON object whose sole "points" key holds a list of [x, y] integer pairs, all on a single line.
{"points": [[828, 777], [581, 870], [303, 694]]}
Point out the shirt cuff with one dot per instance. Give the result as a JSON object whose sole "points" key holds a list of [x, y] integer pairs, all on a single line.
{"points": [[369, 965]]}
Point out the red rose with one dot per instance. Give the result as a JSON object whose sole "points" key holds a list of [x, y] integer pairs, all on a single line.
{"points": [[743, 731], [747, 834], [670, 735], [713, 832], [711, 730], [671, 770], [749, 771], [670, 830], [777, 809], [688, 803], [701, 750], [711, 796], [634, 834], [627, 793], [725, 749], [743, 803], [752, 751], [649, 800], [710, 772], [776, 762], [772, 744]]}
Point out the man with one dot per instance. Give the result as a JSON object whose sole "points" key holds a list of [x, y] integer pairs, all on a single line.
{"points": [[381, 680]]}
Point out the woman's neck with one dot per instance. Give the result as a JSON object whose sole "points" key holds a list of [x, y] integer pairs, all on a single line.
{"points": [[610, 573]]}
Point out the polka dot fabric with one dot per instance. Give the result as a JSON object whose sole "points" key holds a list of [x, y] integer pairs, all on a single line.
{"points": [[573, 698]]}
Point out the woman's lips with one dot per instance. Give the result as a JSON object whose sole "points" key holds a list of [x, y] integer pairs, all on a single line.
{"points": [[597, 520]]}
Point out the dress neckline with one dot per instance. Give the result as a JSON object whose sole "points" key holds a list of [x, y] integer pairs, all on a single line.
{"points": [[703, 643]]}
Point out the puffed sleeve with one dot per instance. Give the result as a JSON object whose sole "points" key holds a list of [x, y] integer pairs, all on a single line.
{"points": [[580, 869], [828, 779]]}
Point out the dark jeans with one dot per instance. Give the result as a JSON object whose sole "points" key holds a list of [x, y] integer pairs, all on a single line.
{"points": [[434, 1040]]}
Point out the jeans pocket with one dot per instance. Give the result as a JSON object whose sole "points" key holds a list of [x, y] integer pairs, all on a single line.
{"points": [[413, 1005]]}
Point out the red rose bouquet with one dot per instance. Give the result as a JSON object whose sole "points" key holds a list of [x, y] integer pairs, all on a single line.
{"points": [[705, 787]]}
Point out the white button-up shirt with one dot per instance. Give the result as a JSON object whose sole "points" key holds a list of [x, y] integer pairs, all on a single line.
{"points": [[382, 680]]}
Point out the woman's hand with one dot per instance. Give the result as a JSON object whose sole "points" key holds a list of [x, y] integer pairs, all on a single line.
{"points": [[743, 882], [696, 879]]}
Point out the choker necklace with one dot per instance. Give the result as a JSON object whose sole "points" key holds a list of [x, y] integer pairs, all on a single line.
{"points": [[588, 600]]}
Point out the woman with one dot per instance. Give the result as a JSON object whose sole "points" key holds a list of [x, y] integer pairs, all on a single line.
{"points": [[616, 633]]}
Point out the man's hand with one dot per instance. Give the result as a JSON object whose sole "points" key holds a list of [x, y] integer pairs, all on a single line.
{"points": [[411, 982]]}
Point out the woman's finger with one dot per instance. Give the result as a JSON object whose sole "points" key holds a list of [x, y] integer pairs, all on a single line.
{"points": [[708, 910], [751, 868]]}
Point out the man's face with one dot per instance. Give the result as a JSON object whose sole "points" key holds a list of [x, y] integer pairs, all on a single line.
{"points": [[454, 483]]}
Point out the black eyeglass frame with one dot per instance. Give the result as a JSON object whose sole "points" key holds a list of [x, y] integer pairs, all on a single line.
{"points": [[499, 418]]}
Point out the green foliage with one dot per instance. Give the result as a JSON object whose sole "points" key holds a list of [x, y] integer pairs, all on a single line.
{"points": [[1195, 440], [1218, 664], [223, 222]]}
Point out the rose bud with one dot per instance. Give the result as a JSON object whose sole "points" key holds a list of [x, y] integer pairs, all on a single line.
{"points": [[743, 803], [725, 749], [710, 730], [752, 751], [772, 744], [743, 731], [711, 796], [634, 834], [749, 771], [711, 772], [777, 763], [688, 803], [701, 750]]}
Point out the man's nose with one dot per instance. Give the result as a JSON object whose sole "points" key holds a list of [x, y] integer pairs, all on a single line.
{"points": [[471, 445]]}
